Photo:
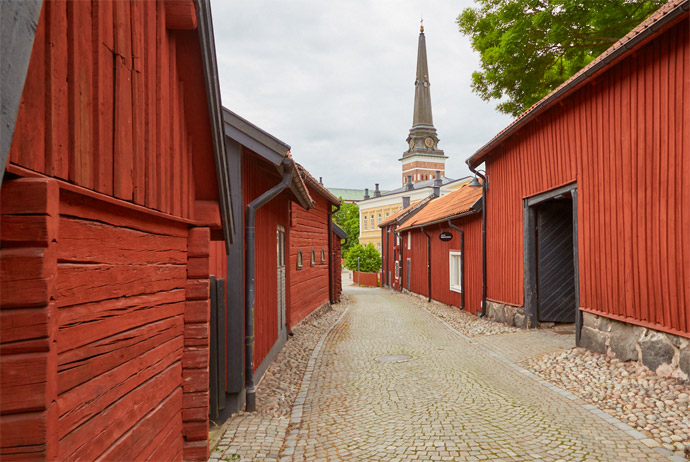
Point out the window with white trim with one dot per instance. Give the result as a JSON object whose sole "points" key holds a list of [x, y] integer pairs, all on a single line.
{"points": [[409, 241], [372, 221], [455, 261], [386, 215], [365, 222], [397, 269], [379, 219]]}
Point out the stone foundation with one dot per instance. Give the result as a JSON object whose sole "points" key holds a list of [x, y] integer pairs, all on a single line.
{"points": [[665, 354], [509, 314]]}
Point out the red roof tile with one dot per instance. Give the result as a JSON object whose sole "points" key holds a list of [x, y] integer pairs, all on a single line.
{"points": [[313, 182], [451, 205], [617, 50]]}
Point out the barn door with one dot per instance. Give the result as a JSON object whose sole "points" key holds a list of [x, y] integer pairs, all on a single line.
{"points": [[555, 268], [280, 247]]}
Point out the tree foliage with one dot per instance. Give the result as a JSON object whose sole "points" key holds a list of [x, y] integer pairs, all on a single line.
{"points": [[369, 258], [529, 47], [348, 219]]}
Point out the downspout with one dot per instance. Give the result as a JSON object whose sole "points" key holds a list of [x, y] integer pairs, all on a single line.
{"points": [[331, 276], [288, 170], [428, 259], [462, 262], [401, 279], [483, 312]]}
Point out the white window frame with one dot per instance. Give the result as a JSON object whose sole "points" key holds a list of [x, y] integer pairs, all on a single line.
{"points": [[372, 221], [397, 269], [379, 216], [455, 277], [409, 240], [365, 223]]}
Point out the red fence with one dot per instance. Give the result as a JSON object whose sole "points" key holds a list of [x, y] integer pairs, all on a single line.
{"points": [[366, 279]]}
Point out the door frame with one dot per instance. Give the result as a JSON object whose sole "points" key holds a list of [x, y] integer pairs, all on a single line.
{"points": [[530, 254]]}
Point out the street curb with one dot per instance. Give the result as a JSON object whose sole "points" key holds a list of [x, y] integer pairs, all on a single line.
{"points": [[297, 407], [566, 394]]}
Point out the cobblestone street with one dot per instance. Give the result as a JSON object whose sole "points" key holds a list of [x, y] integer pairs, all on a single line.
{"points": [[456, 398]]}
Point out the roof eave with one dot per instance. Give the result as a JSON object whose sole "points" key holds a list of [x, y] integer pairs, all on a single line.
{"points": [[577, 82], [471, 211], [208, 49]]}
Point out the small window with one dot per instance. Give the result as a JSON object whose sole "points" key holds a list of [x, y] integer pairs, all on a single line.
{"points": [[365, 222], [397, 269], [372, 221], [455, 271], [386, 215], [299, 259], [409, 241], [323, 256], [313, 257], [379, 219]]}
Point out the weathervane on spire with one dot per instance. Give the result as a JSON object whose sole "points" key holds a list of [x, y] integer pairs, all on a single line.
{"points": [[421, 27]]}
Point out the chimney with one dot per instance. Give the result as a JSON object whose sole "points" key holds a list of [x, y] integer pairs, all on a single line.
{"points": [[366, 193], [437, 184], [409, 186], [377, 193], [406, 201], [321, 180]]}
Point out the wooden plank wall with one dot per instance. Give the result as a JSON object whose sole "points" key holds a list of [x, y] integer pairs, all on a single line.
{"points": [[258, 177], [104, 105], [337, 269], [440, 263], [308, 285], [624, 138], [28, 268], [120, 294]]}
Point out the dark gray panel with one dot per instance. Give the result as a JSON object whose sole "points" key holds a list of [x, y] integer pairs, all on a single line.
{"points": [[555, 267]]}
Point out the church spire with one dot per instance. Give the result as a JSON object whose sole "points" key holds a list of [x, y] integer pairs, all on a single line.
{"points": [[424, 157], [422, 92]]}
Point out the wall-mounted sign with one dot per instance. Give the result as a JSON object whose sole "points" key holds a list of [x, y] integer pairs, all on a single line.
{"points": [[445, 236]]}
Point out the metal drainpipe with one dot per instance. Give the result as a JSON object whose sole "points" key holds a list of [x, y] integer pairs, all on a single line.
{"points": [[331, 276], [483, 312], [402, 262], [428, 259], [462, 261], [249, 278]]}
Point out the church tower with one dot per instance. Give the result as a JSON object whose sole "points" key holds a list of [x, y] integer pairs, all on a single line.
{"points": [[424, 157]]}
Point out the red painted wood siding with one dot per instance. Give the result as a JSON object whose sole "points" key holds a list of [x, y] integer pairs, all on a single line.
{"points": [[440, 262], [308, 285], [625, 139], [337, 267], [116, 103], [257, 178]]}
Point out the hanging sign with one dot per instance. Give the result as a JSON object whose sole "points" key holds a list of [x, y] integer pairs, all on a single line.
{"points": [[445, 236]]}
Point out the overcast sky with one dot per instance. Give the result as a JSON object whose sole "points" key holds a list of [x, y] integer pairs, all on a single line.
{"points": [[335, 81]]}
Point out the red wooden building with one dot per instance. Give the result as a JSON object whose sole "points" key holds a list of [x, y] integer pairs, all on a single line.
{"points": [[266, 187], [441, 248], [587, 200], [116, 185], [312, 253], [391, 250]]}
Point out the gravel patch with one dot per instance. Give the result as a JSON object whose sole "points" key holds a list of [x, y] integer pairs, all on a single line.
{"points": [[281, 382], [465, 322], [658, 407]]}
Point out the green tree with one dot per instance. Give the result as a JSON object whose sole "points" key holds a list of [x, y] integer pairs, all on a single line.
{"points": [[529, 47], [348, 219], [369, 258]]}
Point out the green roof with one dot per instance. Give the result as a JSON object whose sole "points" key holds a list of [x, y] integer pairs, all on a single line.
{"points": [[347, 194]]}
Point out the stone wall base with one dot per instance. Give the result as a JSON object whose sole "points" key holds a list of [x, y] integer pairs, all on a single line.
{"points": [[665, 354], [509, 314]]}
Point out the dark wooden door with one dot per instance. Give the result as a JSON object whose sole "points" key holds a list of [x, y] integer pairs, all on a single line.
{"points": [[555, 268]]}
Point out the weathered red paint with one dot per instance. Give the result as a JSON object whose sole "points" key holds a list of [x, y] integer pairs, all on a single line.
{"points": [[308, 284], [258, 176], [624, 138], [104, 267]]}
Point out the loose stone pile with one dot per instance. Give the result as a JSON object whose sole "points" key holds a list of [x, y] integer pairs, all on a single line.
{"points": [[280, 384], [466, 322], [656, 406]]}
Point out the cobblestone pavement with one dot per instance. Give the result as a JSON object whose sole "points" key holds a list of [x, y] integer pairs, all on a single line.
{"points": [[455, 399]]}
